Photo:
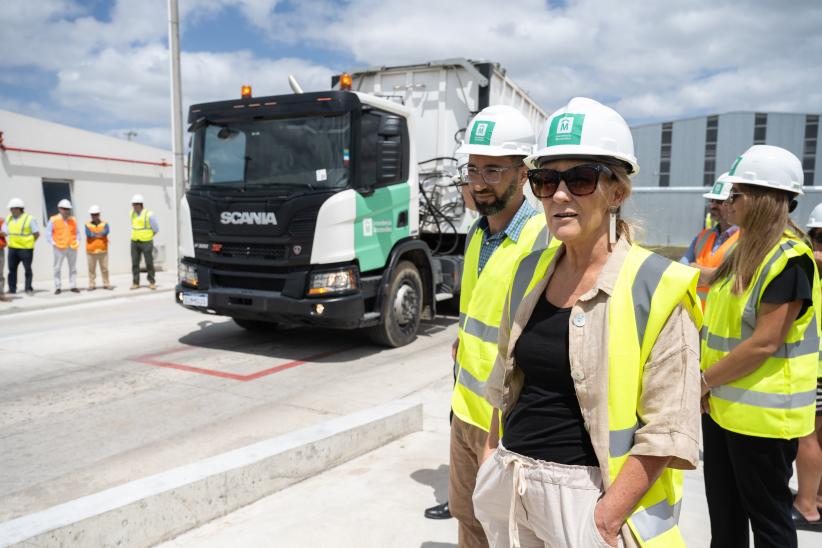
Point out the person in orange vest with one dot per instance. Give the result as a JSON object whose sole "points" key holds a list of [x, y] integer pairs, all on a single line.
{"points": [[97, 248], [62, 234], [3, 297], [711, 245]]}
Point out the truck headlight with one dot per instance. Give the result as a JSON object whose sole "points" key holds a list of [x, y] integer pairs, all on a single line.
{"points": [[187, 273], [335, 281]]}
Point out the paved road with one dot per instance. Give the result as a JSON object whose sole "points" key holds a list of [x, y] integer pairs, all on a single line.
{"points": [[98, 394]]}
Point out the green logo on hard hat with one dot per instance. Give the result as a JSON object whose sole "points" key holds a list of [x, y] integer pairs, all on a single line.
{"points": [[566, 130], [733, 167], [717, 189], [481, 133]]}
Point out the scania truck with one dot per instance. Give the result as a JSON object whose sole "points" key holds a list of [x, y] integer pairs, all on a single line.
{"points": [[318, 207]]}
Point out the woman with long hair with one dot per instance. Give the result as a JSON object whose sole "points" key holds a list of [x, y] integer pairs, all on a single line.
{"points": [[597, 378], [759, 360]]}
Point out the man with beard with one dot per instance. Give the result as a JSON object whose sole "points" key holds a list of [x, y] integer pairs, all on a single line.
{"points": [[711, 245], [498, 139]]}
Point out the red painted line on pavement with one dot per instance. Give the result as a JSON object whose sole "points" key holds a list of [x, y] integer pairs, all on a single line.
{"points": [[149, 360]]}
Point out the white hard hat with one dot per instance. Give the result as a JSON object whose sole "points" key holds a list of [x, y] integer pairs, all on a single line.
{"points": [[585, 127], [137, 199], [64, 204], [498, 130], [721, 189], [16, 202], [768, 166], [95, 209], [815, 220]]}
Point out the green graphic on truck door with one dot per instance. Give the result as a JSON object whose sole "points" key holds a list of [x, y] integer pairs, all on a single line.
{"points": [[375, 229]]}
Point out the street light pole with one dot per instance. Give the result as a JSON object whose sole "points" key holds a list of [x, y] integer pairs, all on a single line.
{"points": [[176, 118]]}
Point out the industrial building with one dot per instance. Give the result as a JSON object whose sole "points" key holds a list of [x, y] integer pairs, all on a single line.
{"points": [[679, 159], [42, 162]]}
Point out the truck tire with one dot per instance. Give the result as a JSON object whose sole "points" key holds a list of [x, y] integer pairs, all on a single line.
{"points": [[255, 325], [401, 308]]}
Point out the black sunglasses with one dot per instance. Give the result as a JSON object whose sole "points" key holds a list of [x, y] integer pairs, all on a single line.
{"points": [[580, 180]]}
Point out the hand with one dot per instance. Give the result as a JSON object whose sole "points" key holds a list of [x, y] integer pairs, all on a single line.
{"points": [[705, 403], [608, 533], [454, 348]]}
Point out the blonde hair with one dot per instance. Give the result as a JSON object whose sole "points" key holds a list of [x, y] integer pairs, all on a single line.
{"points": [[621, 182], [766, 221]]}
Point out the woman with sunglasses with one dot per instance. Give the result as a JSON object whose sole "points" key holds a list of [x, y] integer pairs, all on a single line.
{"points": [[760, 356], [807, 512], [596, 384]]}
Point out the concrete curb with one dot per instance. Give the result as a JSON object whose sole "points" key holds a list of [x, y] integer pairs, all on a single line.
{"points": [[157, 508], [50, 304]]}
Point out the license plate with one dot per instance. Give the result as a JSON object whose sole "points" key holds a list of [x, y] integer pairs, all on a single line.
{"points": [[195, 299]]}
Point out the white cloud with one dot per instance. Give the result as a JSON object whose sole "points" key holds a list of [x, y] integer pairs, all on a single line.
{"points": [[651, 60]]}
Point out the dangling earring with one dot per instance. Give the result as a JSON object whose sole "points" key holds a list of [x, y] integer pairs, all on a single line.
{"points": [[612, 228]]}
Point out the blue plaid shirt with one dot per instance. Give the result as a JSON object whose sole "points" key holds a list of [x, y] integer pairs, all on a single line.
{"points": [[490, 242]]}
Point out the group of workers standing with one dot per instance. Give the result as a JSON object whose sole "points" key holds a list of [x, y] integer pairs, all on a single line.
{"points": [[19, 232], [586, 365]]}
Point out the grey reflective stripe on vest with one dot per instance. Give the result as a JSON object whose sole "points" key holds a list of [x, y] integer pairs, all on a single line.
{"points": [[655, 520], [541, 241], [701, 242], [807, 345], [621, 441], [647, 279], [483, 331], [470, 382], [749, 314], [764, 399], [521, 280]]}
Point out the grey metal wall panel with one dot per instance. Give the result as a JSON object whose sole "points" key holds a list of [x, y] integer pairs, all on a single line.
{"points": [[735, 136], [646, 148], [673, 216], [786, 131], [688, 152], [818, 167]]}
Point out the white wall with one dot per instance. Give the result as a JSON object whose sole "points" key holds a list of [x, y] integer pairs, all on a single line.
{"points": [[109, 184]]}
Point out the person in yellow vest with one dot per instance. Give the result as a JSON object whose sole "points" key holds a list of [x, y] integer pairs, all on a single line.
{"points": [[760, 356], [3, 297], [497, 140], [97, 248], [596, 384], [62, 234], [143, 229], [710, 246], [808, 501], [21, 232]]}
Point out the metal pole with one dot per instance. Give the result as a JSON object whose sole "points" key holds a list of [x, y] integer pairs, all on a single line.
{"points": [[176, 118]]}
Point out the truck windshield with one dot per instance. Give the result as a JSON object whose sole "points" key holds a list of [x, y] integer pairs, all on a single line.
{"points": [[310, 152]]}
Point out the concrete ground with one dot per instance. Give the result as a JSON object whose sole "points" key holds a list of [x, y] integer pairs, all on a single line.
{"points": [[98, 394]]}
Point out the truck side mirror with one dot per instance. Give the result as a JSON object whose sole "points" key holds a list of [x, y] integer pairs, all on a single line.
{"points": [[390, 126]]}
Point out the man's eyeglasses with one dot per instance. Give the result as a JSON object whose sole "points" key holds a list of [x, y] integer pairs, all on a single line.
{"points": [[733, 196], [490, 175], [580, 180]]}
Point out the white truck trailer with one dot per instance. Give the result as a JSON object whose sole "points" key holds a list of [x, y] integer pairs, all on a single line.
{"points": [[335, 208]]}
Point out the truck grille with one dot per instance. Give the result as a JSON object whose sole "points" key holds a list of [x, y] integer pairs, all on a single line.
{"points": [[269, 252], [248, 282]]}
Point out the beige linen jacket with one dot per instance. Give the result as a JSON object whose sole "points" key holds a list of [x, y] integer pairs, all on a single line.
{"points": [[669, 404]]}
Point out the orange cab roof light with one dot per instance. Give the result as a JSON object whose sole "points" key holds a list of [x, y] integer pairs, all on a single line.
{"points": [[245, 91], [346, 81]]}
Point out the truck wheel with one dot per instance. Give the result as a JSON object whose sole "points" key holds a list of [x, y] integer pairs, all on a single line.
{"points": [[255, 325], [401, 308]]}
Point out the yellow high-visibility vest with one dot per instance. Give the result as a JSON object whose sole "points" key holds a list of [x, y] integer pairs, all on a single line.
{"points": [[777, 400], [482, 297], [648, 289], [141, 226], [20, 234]]}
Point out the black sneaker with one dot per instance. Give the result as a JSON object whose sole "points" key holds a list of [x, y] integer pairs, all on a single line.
{"points": [[75, 290], [57, 291], [440, 511]]}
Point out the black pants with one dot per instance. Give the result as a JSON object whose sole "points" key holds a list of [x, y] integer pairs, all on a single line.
{"points": [[17, 256], [146, 249], [746, 480]]}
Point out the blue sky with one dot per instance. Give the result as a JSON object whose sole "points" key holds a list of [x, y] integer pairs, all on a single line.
{"points": [[103, 64]]}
